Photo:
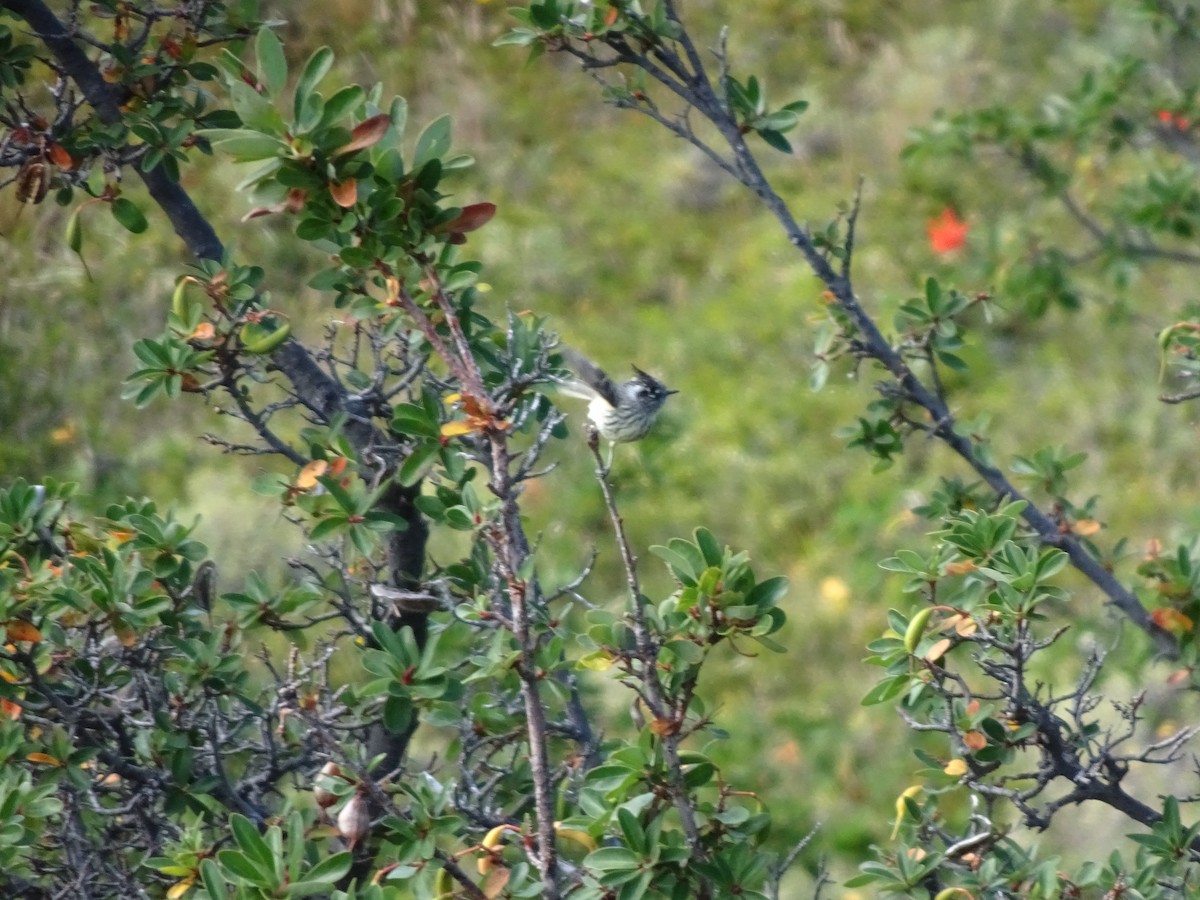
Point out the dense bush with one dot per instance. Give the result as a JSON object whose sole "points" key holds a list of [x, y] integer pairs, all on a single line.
{"points": [[377, 719]]}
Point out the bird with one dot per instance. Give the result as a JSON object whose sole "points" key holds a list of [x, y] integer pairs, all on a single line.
{"points": [[622, 412]]}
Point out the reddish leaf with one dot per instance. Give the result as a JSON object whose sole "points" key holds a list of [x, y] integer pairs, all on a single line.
{"points": [[296, 198], [366, 134], [60, 157], [259, 211], [472, 217]]}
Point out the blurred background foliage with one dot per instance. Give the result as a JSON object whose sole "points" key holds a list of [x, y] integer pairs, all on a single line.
{"points": [[640, 252]]}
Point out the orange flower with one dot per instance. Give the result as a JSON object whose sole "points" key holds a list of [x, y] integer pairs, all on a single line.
{"points": [[947, 233]]}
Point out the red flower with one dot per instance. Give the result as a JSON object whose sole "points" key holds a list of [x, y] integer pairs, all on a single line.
{"points": [[947, 232]]}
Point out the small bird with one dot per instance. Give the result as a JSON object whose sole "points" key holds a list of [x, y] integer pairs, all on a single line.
{"points": [[621, 412]]}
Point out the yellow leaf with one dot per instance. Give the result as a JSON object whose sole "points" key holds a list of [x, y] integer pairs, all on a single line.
{"points": [[1086, 527], [901, 806], [180, 888], [307, 480], [956, 767], [454, 429], [43, 758]]}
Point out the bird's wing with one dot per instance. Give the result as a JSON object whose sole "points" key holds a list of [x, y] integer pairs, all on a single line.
{"points": [[592, 377]]}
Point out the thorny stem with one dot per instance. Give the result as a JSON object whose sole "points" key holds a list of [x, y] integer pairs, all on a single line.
{"points": [[512, 549], [669, 714]]}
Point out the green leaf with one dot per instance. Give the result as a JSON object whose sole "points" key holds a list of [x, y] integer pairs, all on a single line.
{"points": [[768, 593], [245, 145], [709, 547], [314, 70], [679, 564], [252, 842], [886, 690], [330, 870], [433, 142], [256, 111], [130, 217], [272, 64], [75, 231], [239, 864], [214, 881], [612, 859], [774, 139], [414, 468], [342, 104]]}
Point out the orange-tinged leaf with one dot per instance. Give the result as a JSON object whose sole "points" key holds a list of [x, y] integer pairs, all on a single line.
{"points": [[662, 727], [972, 707], [60, 157], [126, 635], [44, 758], [966, 627], [960, 568], [1086, 527], [22, 631], [456, 428], [307, 479], [9, 676], [1172, 620], [121, 536], [938, 650], [204, 332], [496, 881], [383, 873], [947, 232], [10, 708], [610, 15], [367, 133], [1178, 676], [344, 193], [975, 740], [338, 466]]}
